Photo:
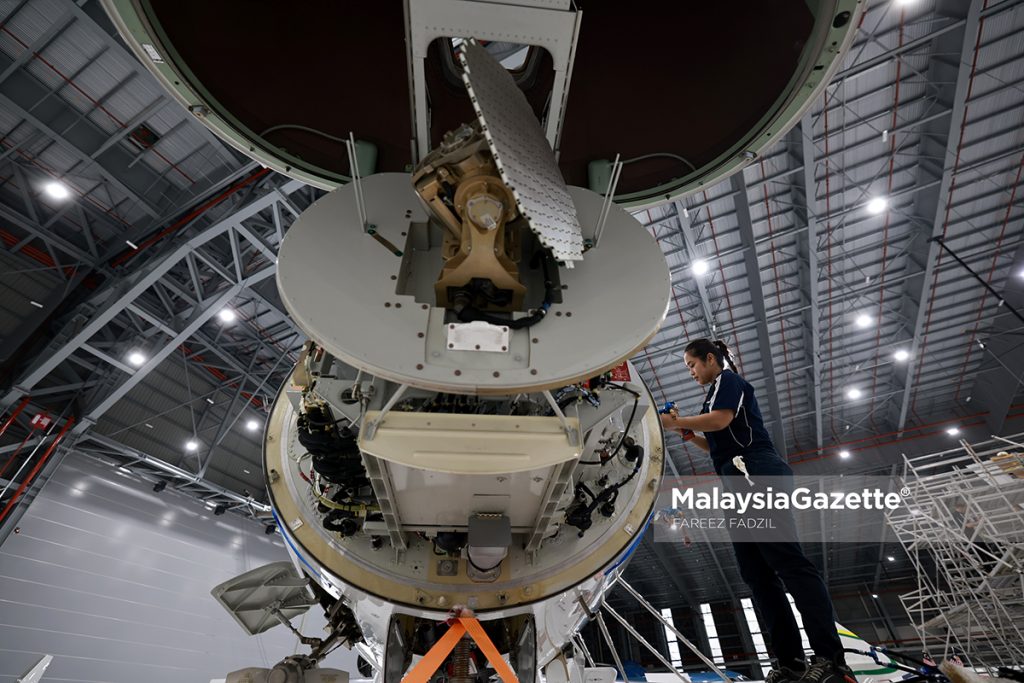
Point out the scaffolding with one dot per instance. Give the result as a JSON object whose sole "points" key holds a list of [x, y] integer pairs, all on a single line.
{"points": [[962, 526]]}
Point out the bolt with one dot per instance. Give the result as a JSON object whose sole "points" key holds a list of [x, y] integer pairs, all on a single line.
{"points": [[451, 346], [535, 340], [420, 335], [504, 348], [458, 372], [419, 366], [497, 374], [387, 304], [533, 372]]}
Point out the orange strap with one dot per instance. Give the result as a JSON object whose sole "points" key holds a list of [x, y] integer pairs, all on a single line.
{"points": [[435, 657], [476, 631]]}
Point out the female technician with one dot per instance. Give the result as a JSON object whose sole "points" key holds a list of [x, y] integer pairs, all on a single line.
{"points": [[732, 426]]}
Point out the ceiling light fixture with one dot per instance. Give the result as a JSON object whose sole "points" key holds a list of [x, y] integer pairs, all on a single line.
{"points": [[901, 355], [699, 267], [877, 205], [132, 245], [854, 393], [874, 595], [252, 425], [56, 190], [953, 431], [191, 446], [864, 321], [890, 558], [35, 303], [226, 315], [136, 358], [844, 454]]}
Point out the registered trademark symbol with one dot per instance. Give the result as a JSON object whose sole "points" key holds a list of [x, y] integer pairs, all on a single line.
{"points": [[905, 491]]}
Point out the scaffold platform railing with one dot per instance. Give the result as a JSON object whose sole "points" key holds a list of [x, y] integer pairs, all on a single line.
{"points": [[963, 528]]}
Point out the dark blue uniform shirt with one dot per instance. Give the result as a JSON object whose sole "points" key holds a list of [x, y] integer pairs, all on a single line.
{"points": [[746, 432]]}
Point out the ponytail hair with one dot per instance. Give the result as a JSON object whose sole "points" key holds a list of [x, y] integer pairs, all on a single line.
{"points": [[717, 348]]}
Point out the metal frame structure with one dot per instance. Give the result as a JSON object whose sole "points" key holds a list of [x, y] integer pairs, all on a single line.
{"points": [[165, 310], [964, 532]]}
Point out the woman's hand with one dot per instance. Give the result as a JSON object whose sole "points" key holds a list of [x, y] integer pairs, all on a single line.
{"points": [[668, 420]]}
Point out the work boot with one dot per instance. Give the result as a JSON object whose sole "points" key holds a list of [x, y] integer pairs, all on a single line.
{"points": [[824, 670], [784, 674]]}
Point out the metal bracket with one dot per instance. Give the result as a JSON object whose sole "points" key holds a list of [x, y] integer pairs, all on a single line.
{"points": [[609, 197], [570, 433], [370, 429], [357, 181]]}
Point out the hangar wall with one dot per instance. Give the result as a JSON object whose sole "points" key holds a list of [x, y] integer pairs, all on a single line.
{"points": [[114, 581]]}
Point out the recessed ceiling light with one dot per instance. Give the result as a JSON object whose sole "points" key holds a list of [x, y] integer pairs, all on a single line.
{"points": [[877, 204], [210, 401], [252, 425], [901, 355], [132, 245], [226, 315], [953, 431], [854, 393], [874, 595], [136, 358], [699, 267], [890, 558], [246, 471], [864, 321], [191, 445], [35, 303], [844, 454], [56, 190]]}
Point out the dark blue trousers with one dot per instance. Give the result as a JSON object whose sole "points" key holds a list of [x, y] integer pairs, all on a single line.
{"points": [[771, 568]]}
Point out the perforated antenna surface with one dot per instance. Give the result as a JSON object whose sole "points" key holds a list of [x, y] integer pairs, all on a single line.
{"points": [[522, 154]]}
